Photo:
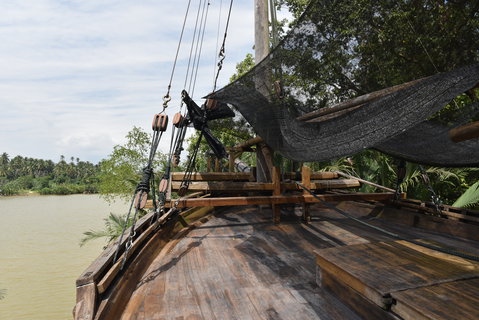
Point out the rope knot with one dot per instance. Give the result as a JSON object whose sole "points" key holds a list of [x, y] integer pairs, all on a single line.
{"points": [[144, 184]]}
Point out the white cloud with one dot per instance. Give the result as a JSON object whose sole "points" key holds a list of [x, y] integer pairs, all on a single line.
{"points": [[75, 76]]}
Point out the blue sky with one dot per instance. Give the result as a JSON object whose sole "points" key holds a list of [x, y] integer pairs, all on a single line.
{"points": [[77, 75]]}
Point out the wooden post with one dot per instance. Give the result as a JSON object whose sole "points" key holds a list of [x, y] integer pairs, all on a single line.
{"points": [[261, 30], [217, 165], [261, 50], [276, 177], [168, 191], [208, 161], [231, 164], [306, 181]]}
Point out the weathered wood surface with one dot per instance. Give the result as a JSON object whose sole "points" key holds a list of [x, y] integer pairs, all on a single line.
{"points": [[377, 270], [355, 102], [240, 266], [213, 176], [448, 211], [264, 186], [466, 132], [452, 300], [237, 266], [342, 174], [97, 268], [282, 199], [412, 216], [246, 176]]}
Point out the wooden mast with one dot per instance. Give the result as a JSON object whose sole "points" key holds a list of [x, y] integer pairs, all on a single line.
{"points": [[264, 159]]}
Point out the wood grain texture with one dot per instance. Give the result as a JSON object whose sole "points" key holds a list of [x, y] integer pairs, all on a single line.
{"points": [[240, 266], [264, 186], [237, 266], [282, 199], [452, 300], [378, 270]]}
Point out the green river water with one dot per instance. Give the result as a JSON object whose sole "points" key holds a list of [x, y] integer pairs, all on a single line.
{"points": [[40, 257]]}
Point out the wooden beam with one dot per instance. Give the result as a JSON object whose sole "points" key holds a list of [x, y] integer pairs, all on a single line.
{"points": [[264, 186], [276, 177], [248, 143], [213, 176], [226, 186], [466, 132], [269, 200], [342, 174], [314, 175], [356, 101], [306, 181]]}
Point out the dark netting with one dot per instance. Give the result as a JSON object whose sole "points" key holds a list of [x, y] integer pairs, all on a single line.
{"points": [[429, 143], [343, 49]]}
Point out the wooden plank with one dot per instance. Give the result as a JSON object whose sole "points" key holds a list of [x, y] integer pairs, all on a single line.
{"points": [[86, 296], [105, 282], [366, 182], [213, 176], [376, 270], [466, 132], [276, 178], [268, 200], [265, 186], [428, 222], [306, 181], [356, 101], [457, 299], [248, 143], [98, 267], [449, 213], [362, 306], [226, 186], [115, 269], [314, 175]]}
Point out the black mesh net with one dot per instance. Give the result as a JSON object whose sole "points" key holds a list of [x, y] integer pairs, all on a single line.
{"points": [[343, 49]]}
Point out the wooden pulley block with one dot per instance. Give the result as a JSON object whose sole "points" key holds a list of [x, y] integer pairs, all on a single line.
{"points": [[163, 185], [175, 160], [160, 122], [182, 191], [178, 120], [211, 104], [278, 88], [140, 199]]}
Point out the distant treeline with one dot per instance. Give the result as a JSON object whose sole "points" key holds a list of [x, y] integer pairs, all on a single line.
{"points": [[22, 174]]}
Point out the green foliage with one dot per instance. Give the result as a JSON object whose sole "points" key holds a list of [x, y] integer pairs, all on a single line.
{"points": [[113, 227], [21, 174], [121, 171], [243, 67], [470, 198], [371, 165]]}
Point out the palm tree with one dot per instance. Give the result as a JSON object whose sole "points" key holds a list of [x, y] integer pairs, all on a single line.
{"points": [[470, 198], [113, 227]]}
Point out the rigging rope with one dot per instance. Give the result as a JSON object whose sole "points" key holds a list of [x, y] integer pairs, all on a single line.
{"points": [[200, 50], [221, 54], [167, 97]]}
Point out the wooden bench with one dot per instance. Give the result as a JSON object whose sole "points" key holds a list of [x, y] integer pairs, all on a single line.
{"points": [[400, 280]]}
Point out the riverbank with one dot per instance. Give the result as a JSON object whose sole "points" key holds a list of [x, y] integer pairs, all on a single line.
{"points": [[32, 193]]}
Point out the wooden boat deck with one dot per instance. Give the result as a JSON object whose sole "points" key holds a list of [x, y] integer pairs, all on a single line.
{"points": [[239, 265]]}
